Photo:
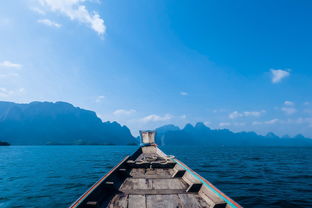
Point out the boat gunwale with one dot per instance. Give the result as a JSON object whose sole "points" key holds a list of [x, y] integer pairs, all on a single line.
{"points": [[205, 182], [96, 184], [209, 185]]}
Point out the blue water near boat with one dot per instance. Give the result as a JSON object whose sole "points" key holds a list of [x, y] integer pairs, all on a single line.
{"points": [[55, 176]]}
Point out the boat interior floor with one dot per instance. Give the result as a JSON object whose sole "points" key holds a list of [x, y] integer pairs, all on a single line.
{"points": [[153, 182], [151, 179]]}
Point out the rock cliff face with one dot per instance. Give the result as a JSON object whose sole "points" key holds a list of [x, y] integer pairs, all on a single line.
{"points": [[203, 135], [40, 123]]}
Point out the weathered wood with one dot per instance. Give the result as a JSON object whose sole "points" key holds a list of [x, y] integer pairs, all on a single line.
{"points": [[136, 201], [192, 201], [137, 172], [172, 183], [136, 183], [150, 172], [119, 201], [150, 179], [211, 198], [163, 201], [154, 191]]}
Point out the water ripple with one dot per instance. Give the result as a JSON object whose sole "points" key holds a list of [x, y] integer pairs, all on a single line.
{"points": [[254, 177]]}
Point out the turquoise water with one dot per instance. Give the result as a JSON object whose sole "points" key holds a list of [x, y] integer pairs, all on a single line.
{"points": [[55, 176]]}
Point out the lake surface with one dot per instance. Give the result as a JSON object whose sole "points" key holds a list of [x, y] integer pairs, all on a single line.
{"points": [[55, 176]]}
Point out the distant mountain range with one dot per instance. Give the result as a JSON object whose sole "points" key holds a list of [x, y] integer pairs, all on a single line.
{"points": [[41, 123], [200, 134]]}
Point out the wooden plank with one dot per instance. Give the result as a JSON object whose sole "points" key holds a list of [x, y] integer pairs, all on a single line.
{"points": [[150, 172], [163, 172], [154, 191], [137, 172], [172, 183], [118, 201], [136, 183], [136, 201], [163, 201], [211, 198], [192, 201]]}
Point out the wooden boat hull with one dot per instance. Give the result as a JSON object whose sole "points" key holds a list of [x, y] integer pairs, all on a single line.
{"points": [[149, 178]]}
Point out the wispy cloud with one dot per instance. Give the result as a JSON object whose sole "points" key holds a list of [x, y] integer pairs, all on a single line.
{"points": [[236, 114], [9, 75], [183, 93], [10, 64], [269, 122], [155, 118], [289, 103], [289, 110], [278, 75], [183, 116], [123, 112], [99, 98], [76, 10], [234, 124], [5, 93], [49, 23], [223, 124], [38, 11], [295, 121]]}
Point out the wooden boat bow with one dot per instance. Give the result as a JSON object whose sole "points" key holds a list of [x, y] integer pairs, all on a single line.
{"points": [[150, 178]]}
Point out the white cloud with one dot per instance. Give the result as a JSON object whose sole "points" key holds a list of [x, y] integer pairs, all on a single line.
{"points": [[239, 124], [5, 93], [99, 98], [269, 122], [76, 10], [253, 113], [223, 124], [49, 23], [37, 10], [183, 116], [183, 93], [121, 112], [289, 103], [21, 90], [221, 110], [10, 64], [273, 121], [236, 114], [289, 110], [8, 75], [155, 118], [278, 75]]}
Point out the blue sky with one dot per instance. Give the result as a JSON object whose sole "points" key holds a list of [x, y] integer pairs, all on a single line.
{"points": [[241, 65]]}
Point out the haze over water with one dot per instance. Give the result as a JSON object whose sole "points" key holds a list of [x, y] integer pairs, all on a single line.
{"points": [[55, 176]]}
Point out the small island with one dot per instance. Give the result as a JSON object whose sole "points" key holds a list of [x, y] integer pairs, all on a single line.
{"points": [[4, 143]]}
